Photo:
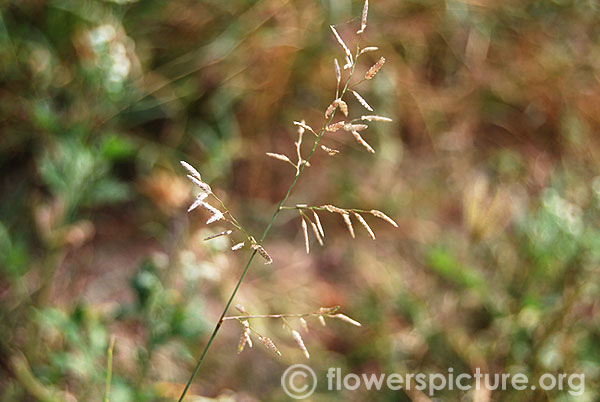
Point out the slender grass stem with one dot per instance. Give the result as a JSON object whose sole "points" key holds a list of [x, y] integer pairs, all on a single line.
{"points": [[266, 232], [109, 360]]}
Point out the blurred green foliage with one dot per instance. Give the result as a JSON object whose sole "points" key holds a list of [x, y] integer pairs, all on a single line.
{"points": [[490, 167]]}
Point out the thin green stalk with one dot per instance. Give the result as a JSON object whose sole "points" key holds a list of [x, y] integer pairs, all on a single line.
{"points": [[109, 360], [265, 233]]}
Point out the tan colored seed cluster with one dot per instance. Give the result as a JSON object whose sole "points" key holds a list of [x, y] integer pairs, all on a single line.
{"points": [[270, 345], [263, 253], [332, 128]]}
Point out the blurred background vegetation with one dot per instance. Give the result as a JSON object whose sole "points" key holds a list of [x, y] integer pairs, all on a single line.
{"points": [[490, 168]]}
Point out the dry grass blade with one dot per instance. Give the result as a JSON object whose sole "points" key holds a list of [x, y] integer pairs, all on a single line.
{"points": [[330, 151], [383, 216], [362, 142], [300, 343], [374, 68], [342, 44], [365, 224], [305, 231], [347, 319], [375, 118], [361, 100], [193, 172], [363, 20], [348, 222], [318, 221]]}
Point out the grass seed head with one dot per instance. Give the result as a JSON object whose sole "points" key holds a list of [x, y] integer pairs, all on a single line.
{"points": [[363, 20], [193, 172], [298, 338], [305, 231], [362, 142], [348, 222], [365, 224], [361, 100], [347, 319]]}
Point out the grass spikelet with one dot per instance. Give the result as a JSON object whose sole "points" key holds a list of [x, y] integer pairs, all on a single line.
{"points": [[330, 151], [362, 142], [216, 217], [333, 127], [374, 68], [365, 224], [280, 157], [361, 100], [355, 127], [317, 234], [342, 44], [270, 345], [237, 246], [305, 231], [347, 319], [298, 338], [241, 308], [263, 253], [363, 20], [245, 337], [343, 106], [193, 172], [322, 321], [199, 199], [348, 222], [305, 126], [203, 186], [318, 221], [368, 49], [383, 216], [225, 233], [328, 310], [375, 118], [304, 324], [333, 209]]}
